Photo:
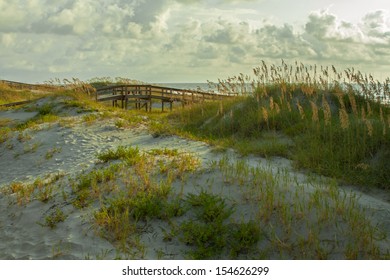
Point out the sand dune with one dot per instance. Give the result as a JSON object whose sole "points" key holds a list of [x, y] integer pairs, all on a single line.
{"points": [[74, 146]]}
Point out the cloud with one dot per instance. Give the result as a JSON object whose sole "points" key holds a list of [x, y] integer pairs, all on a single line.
{"points": [[221, 32], [175, 39], [373, 28], [376, 26]]}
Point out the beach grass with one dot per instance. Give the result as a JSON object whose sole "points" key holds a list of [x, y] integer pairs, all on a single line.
{"points": [[333, 124]]}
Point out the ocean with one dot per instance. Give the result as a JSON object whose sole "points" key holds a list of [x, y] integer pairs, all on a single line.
{"points": [[200, 86]]}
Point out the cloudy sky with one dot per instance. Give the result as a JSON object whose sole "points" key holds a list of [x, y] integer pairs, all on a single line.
{"points": [[187, 40]]}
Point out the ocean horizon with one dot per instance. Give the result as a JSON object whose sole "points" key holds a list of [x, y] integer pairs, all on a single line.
{"points": [[193, 86]]}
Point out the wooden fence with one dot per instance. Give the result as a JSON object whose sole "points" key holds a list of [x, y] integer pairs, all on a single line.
{"points": [[144, 95]]}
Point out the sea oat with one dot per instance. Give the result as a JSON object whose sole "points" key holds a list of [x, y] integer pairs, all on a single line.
{"points": [[314, 109], [344, 121], [277, 108], [301, 111], [369, 127], [221, 108], [341, 100], [353, 103], [369, 111], [283, 88], [327, 111], [363, 114], [265, 114], [271, 104]]}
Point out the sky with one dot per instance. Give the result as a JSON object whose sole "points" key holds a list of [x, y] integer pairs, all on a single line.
{"points": [[187, 40]]}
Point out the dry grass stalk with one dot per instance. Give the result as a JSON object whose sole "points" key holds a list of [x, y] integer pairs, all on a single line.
{"points": [[369, 127], [220, 110], [271, 104], [369, 111], [283, 88], [277, 108], [327, 111], [264, 113], [344, 120], [307, 90], [301, 111], [363, 114], [353, 103], [314, 109], [341, 100]]}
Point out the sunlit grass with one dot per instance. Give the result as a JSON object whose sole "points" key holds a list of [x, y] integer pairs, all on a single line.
{"points": [[331, 123]]}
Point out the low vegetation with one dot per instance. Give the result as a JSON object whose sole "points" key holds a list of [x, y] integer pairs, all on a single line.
{"points": [[10, 95], [333, 123], [40, 189], [57, 216]]}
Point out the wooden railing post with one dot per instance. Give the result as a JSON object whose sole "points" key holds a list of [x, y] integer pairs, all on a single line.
{"points": [[150, 98]]}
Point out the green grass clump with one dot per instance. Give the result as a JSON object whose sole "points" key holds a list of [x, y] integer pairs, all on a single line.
{"points": [[209, 208], [54, 218], [164, 152], [128, 154], [211, 234], [122, 217], [86, 186], [45, 109], [50, 153]]}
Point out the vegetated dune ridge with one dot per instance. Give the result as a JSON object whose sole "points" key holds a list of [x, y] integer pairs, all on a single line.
{"points": [[78, 184]]}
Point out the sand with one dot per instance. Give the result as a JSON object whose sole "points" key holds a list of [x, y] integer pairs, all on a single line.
{"points": [[76, 145]]}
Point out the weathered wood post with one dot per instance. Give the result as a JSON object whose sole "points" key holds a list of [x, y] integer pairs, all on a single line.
{"points": [[150, 98]]}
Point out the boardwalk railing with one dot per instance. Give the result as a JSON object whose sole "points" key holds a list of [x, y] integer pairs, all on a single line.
{"points": [[19, 85], [144, 95]]}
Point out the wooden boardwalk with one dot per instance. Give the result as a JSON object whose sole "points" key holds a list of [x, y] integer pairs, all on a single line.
{"points": [[21, 86], [143, 96]]}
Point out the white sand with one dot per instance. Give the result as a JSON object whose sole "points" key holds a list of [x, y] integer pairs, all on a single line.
{"points": [[21, 237]]}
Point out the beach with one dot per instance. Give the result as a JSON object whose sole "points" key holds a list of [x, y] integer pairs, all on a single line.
{"points": [[40, 166]]}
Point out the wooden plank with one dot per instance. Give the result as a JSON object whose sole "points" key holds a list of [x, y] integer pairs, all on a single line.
{"points": [[108, 98], [143, 95]]}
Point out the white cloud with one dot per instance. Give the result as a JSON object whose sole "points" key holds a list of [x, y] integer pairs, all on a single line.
{"points": [[12, 16], [376, 26], [177, 39]]}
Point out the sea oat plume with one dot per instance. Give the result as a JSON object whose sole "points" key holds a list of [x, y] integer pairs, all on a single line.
{"points": [[344, 120]]}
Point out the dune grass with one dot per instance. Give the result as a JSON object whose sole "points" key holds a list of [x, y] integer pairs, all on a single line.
{"points": [[289, 219], [335, 124], [10, 95]]}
